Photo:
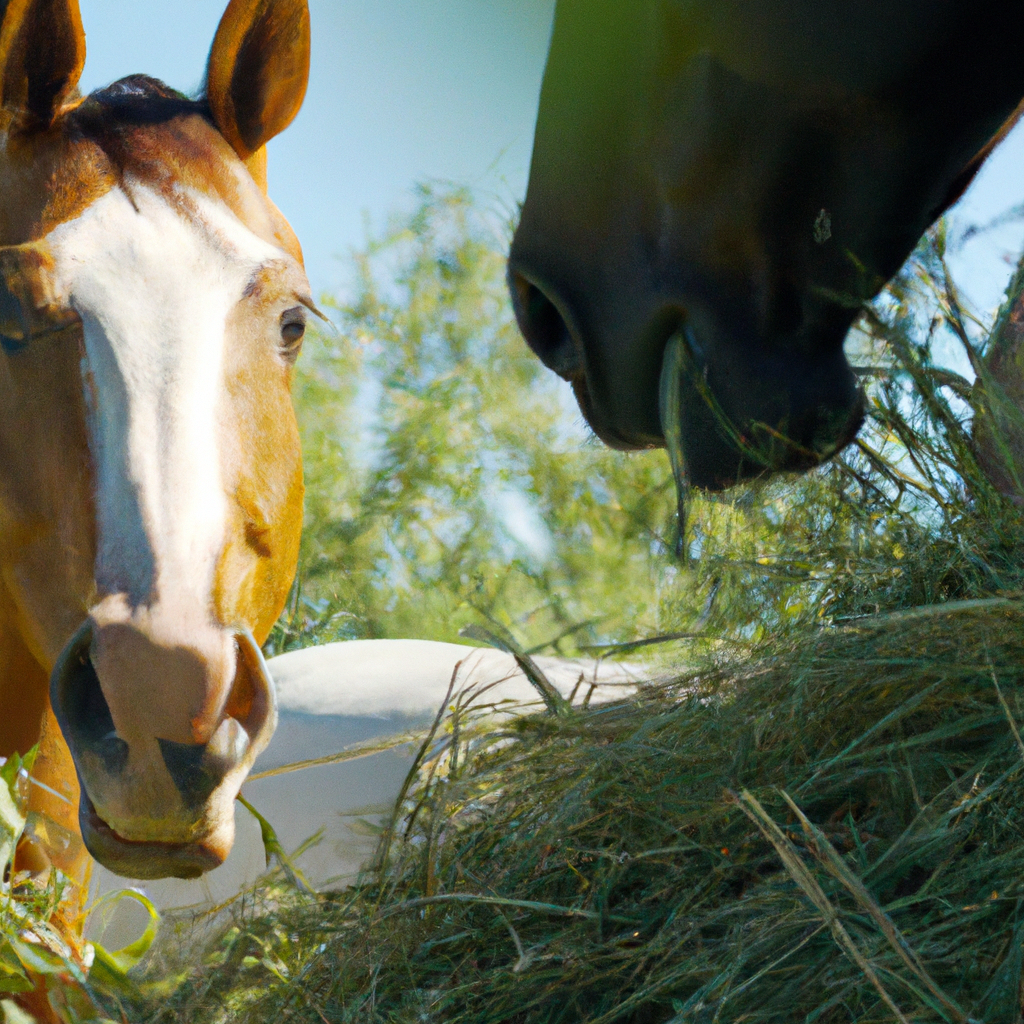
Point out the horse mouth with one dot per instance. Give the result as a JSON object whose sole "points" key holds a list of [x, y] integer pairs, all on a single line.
{"points": [[716, 441], [604, 430], [144, 859]]}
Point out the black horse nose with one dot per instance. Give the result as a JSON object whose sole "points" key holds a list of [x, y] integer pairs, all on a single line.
{"points": [[544, 327]]}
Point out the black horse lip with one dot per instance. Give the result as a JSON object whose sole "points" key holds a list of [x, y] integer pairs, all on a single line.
{"points": [[657, 335], [605, 431], [134, 858]]}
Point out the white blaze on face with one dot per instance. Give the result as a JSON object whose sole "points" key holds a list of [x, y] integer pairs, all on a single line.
{"points": [[154, 283]]}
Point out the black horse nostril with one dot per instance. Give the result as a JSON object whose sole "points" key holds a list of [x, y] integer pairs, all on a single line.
{"points": [[191, 770], [87, 714], [544, 328]]}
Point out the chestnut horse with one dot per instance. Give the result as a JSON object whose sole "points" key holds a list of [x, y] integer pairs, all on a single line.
{"points": [[717, 187], [152, 304]]}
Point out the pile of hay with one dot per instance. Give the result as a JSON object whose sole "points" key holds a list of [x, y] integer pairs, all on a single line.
{"points": [[833, 831]]}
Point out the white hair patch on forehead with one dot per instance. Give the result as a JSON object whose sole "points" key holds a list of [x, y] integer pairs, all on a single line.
{"points": [[154, 284]]}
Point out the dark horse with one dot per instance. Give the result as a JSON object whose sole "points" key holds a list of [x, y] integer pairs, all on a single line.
{"points": [[719, 185]]}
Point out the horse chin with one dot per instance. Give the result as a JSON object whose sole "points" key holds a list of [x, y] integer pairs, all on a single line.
{"points": [[603, 429], [146, 859]]}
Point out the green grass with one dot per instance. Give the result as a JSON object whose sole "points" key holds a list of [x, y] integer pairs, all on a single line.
{"points": [[791, 837]]}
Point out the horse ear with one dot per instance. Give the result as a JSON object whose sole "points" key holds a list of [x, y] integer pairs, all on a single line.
{"points": [[42, 53], [257, 74]]}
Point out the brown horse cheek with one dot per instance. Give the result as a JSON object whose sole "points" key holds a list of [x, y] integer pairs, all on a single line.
{"points": [[257, 567]]}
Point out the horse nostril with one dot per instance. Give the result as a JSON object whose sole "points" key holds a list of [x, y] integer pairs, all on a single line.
{"points": [[250, 714], [81, 708], [194, 772], [252, 701], [544, 328], [197, 769]]}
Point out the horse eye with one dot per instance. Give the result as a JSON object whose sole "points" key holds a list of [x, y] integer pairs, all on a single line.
{"points": [[293, 327], [292, 333]]}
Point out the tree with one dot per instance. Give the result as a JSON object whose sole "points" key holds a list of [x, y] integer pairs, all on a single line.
{"points": [[447, 481]]}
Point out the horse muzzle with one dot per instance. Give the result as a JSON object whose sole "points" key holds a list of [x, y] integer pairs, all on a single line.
{"points": [[726, 420], [154, 806], [780, 401]]}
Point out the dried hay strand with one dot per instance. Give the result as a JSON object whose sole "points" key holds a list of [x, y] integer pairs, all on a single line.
{"points": [[830, 832]]}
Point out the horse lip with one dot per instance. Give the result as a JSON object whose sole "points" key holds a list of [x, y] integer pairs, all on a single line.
{"points": [[133, 858], [605, 432], [656, 337], [835, 419]]}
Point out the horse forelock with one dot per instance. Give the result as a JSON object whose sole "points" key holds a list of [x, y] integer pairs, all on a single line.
{"points": [[136, 131], [142, 96], [156, 135]]}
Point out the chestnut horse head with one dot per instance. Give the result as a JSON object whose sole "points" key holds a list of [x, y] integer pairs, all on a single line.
{"points": [[152, 304], [739, 177]]}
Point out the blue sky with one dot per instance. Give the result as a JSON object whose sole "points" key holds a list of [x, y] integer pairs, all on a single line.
{"points": [[985, 264], [403, 91], [400, 91]]}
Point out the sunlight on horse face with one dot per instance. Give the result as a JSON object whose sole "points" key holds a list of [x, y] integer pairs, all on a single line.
{"points": [[744, 175], [150, 475]]}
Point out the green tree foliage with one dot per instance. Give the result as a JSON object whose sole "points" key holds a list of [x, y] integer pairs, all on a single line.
{"points": [[450, 479], [447, 480]]}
